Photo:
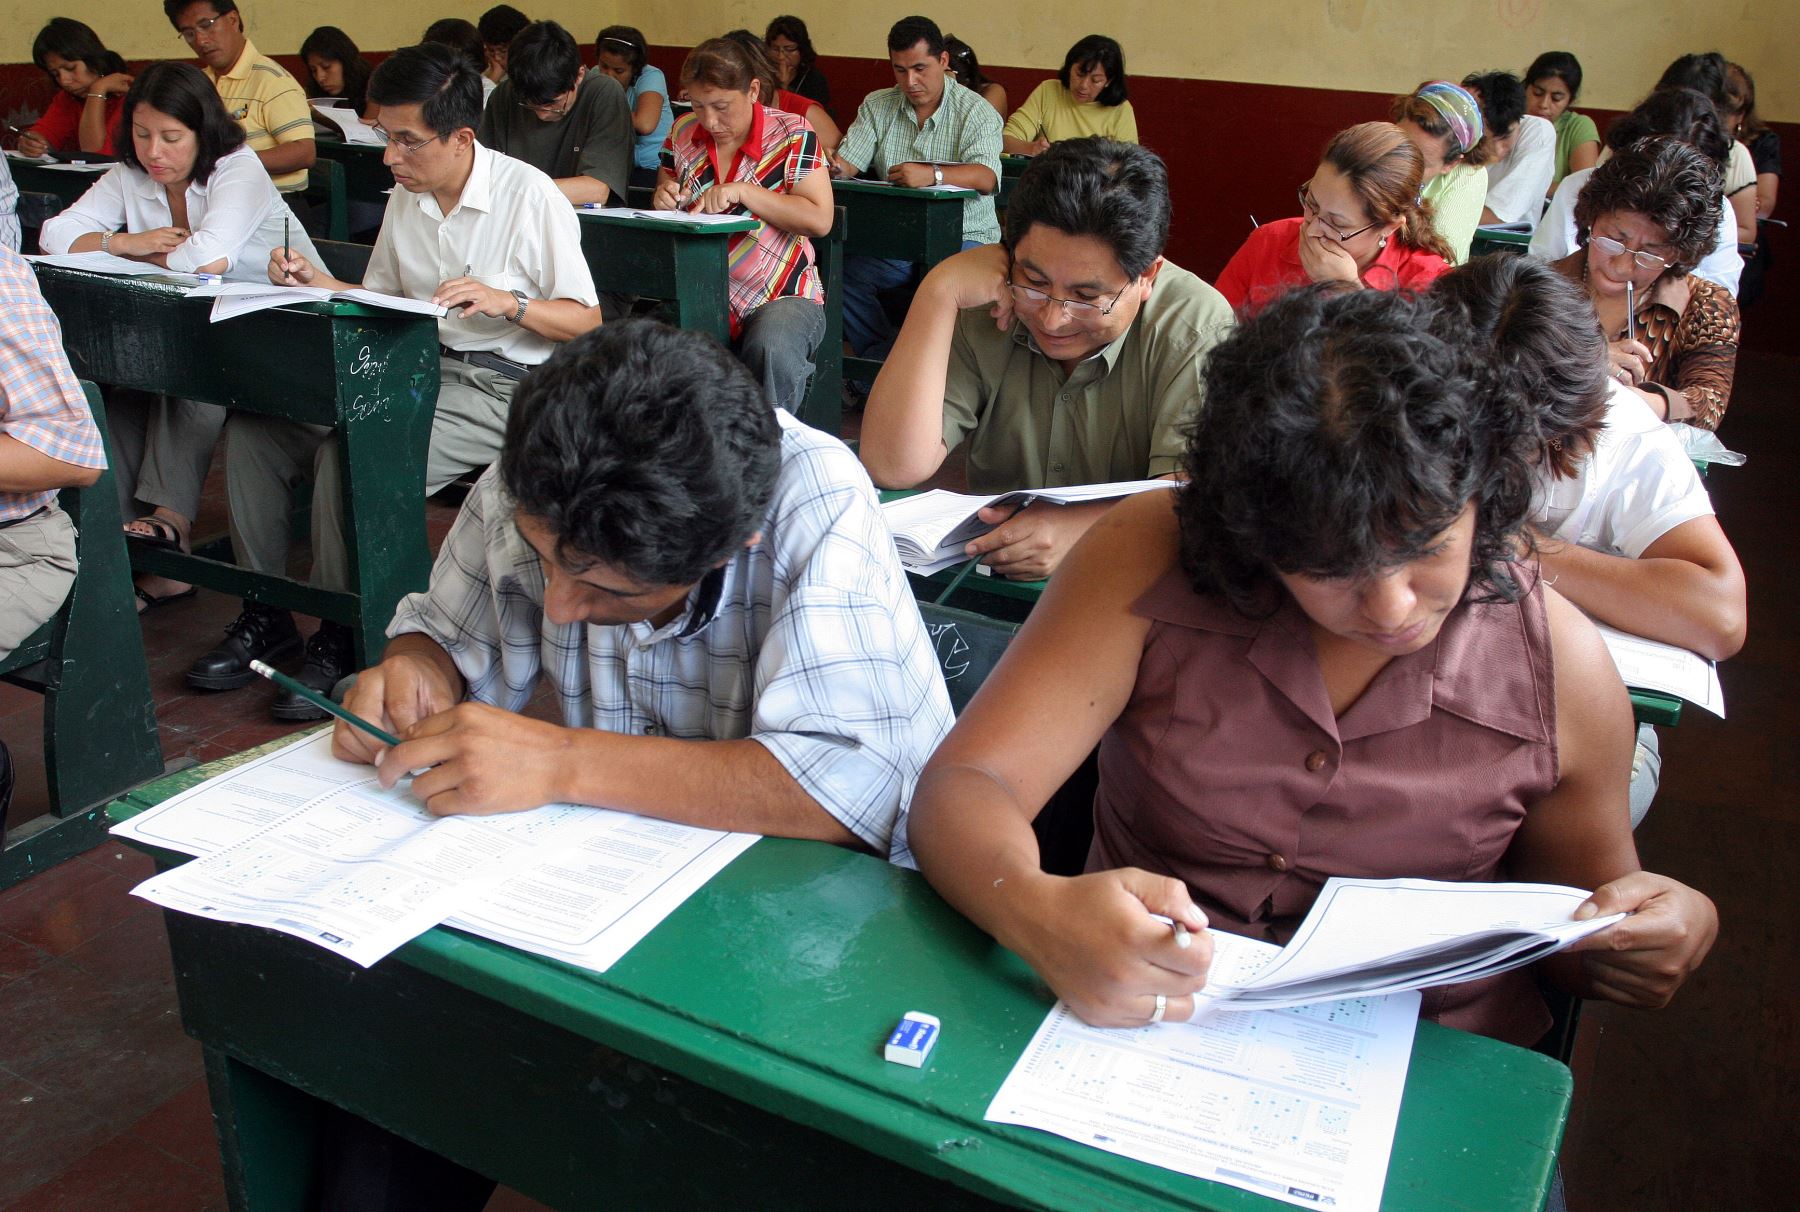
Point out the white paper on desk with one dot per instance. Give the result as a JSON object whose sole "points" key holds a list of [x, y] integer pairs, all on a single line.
{"points": [[336, 116], [22, 158], [233, 299], [97, 262], [79, 166], [931, 528], [1298, 1105], [239, 805], [675, 218], [929, 189], [357, 870], [602, 882], [1653, 665]]}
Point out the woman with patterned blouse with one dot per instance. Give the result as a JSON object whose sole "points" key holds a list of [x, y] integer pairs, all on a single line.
{"points": [[1645, 218], [734, 155]]}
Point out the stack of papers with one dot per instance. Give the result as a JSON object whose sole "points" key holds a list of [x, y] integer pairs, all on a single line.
{"points": [[300, 842], [930, 529], [232, 299], [1370, 938], [1298, 1105], [1652, 665]]}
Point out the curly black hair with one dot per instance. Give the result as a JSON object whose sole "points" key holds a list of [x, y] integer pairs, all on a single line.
{"points": [[1670, 183], [1342, 436], [644, 447]]}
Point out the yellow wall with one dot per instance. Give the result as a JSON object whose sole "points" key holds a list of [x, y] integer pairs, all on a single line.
{"points": [[1368, 45]]}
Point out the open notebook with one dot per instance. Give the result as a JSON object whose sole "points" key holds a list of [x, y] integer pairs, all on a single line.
{"points": [[931, 528], [231, 299]]}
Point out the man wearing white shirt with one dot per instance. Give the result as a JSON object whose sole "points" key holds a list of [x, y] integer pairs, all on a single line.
{"points": [[488, 237], [1526, 149]]}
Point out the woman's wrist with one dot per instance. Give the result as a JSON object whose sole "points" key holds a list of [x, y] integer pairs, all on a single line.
{"points": [[96, 96]]}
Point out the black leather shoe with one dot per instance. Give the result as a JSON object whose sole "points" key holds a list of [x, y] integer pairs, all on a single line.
{"points": [[260, 633], [329, 657]]}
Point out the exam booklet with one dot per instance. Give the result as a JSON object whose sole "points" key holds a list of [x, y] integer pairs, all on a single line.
{"points": [[1653, 665], [1298, 1105], [233, 299], [336, 118], [1370, 938], [297, 841], [931, 528]]}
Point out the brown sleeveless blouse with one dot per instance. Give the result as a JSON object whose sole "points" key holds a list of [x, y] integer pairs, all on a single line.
{"points": [[1228, 770]]}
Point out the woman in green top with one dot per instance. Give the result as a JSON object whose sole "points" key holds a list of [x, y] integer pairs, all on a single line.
{"points": [[1445, 123], [1551, 84], [1088, 98]]}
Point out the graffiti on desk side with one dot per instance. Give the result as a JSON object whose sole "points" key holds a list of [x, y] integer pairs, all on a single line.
{"points": [[950, 645]]}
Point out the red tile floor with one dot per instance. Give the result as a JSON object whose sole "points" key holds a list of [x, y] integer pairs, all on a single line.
{"points": [[103, 1109]]}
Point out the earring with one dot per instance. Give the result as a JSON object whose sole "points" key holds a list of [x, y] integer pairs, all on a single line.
{"points": [[1383, 243]]}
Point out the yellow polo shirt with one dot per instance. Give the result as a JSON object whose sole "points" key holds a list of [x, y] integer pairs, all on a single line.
{"points": [[268, 103]]}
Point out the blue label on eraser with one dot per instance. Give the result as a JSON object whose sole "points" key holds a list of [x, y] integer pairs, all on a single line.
{"points": [[912, 1035]]}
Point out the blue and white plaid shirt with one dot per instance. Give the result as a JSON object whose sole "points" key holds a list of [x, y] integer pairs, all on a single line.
{"points": [[809, 643]]}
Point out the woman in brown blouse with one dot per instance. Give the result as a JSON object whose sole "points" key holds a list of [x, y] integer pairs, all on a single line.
{"points": [[1645, 218], [1316, 657]]}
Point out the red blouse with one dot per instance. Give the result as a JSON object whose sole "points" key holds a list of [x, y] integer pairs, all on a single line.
{"points": [[61, 123], [1269, 263]]}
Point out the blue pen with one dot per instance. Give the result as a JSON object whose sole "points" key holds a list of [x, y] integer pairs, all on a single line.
{"points": [[210, 277]]}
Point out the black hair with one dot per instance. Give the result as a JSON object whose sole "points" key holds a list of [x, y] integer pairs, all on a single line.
{"points": [[1669, 182], [1502, 98], [794, 30], [964, 63], [644, 447], [333, 45], [908, 32], [542, 63], [183, 92], [1561, 64], [1341, 437], [1116, 192], [1681, 112], [501, 24], [435, 77], [1704, 73], [173, 8], [1544, 342], [626, 40], [1097, 50], [76, 42], [462, 37]]}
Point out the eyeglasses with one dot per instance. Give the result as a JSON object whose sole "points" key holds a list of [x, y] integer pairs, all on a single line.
{"points": [[553, 111], [1609, 247], [411, 149], [1310, 208], [790, 51], [203, 26], [1079, 310]]}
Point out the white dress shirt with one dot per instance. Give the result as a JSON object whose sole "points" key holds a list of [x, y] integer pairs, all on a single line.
{"points": [[1555, 236], [1517, 184], [809, 642], [237, 215], [511, 229]]}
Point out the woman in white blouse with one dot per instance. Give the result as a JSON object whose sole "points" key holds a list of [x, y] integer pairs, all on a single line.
{"points": [[189, 196]]}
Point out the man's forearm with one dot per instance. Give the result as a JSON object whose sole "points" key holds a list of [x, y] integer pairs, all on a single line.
{"points": [[560, 319], [903, 423], [731, 785], [289, 157], [582, 189], [23, 468], [971, 176]]}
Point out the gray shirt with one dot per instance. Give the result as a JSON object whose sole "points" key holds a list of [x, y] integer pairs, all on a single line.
{"points": [[594, 139]]}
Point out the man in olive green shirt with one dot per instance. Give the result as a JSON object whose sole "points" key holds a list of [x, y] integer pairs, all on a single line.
{"points": [[1070, 354]]}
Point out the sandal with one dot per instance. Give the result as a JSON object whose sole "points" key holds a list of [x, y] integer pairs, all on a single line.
{"points": [[162, 534], [151, 601]]}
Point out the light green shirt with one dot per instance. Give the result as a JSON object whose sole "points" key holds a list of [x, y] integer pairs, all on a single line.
{"points": [[1456, 198], [1572, 130], [1118, 417], [1051, 108], [964, 129]]}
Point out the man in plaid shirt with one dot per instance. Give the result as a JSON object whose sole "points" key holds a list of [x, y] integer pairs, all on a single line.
{"points": [[705, 584], [47, 441]]}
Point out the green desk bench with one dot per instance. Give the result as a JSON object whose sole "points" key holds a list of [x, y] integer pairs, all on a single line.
{"points": [[733, 1058], [919, 225], [372, 374]]}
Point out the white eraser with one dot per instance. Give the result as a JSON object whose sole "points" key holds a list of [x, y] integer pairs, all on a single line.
{"points": [[912, 1039]]}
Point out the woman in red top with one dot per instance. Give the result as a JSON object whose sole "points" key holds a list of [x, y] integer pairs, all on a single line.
{"points": [[1361, 222], [90, 89]]}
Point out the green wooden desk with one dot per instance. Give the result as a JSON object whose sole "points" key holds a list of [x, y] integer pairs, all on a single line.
{"points": [[1499, 241], [366, 177], [919, 225], [40, 179], [1010, 169], [733, 1059], [682, 264], [371, 374]]}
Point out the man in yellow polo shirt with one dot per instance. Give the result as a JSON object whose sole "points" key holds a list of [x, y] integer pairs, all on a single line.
{"points": [[267, 102]]}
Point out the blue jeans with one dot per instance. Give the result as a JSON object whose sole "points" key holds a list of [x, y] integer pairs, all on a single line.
{"points": [[866, 325]]}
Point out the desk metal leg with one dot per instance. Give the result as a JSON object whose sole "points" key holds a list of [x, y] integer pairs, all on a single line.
{"points": [[267, 1137]]}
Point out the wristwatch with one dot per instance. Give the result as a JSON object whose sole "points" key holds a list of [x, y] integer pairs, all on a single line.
{"points": [[937, 175], [519, 315]]}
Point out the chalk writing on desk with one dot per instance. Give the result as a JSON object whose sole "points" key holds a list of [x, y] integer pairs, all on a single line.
{"points": [[365, 363], [948, 639]]}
